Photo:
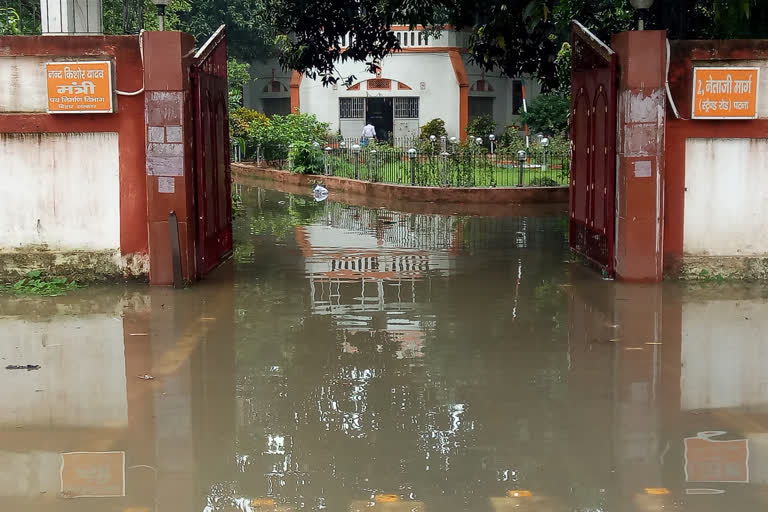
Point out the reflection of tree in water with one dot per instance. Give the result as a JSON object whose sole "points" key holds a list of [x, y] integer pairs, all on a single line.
{"points": [[353, 423], [465, 412]]}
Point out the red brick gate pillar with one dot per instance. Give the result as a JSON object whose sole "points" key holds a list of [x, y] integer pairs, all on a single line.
{"points": [[170, 151], [641, 115]]}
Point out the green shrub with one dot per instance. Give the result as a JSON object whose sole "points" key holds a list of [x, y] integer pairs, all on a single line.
{"points": [[305, 157], [10, 22], [240, 120], [481, 126], [543, 181], [434, 127], [280, 131], [548, 113], [512, 139], [34, 283]]}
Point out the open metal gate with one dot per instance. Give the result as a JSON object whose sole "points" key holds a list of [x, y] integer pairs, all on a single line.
{"points": [[593, 143], [212, 171]]}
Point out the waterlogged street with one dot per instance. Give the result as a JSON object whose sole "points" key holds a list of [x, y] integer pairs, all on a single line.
{"points": [[354, 358]]}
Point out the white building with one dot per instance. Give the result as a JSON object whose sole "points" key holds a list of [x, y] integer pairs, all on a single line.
{"points": [[430, 78]]}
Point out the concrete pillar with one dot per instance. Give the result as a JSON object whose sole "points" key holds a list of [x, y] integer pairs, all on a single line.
{"points": [[170, 151], [641, 115], [71, 17]]}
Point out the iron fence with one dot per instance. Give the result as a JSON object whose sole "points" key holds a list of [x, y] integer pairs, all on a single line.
{"points": [[29, 17], [455, 166]]}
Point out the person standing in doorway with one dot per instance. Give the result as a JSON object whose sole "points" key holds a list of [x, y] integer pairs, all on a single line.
{"points": [[369, 133]]}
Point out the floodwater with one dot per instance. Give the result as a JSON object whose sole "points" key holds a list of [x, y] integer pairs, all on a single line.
{"points": [[360, 359]]}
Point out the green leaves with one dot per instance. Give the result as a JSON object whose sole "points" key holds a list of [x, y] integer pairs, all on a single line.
{"points": [[10, 21], [35, 284], [548, 113], [481, 126]]}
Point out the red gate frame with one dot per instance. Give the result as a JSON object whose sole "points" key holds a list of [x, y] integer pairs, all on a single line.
{"points": [[593, 148], [212, 159]]}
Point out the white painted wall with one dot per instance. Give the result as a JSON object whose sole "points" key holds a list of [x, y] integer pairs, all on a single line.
{"points": [[406, 128], [439, 98], [60, 190], [22, 84], [82, 376], [726, 198], [263, 73], [724, 355], [33, 474], [447, 38], [502, 93]]}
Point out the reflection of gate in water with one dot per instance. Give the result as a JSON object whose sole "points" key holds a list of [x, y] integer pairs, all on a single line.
{"points": [[397, 229], [448, 232]]}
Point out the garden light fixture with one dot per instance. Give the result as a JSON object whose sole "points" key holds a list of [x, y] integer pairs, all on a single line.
{"points": [[642, 7]]}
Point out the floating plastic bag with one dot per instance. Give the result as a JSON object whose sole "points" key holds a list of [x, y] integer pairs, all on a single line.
{"points": [[320, 193]]}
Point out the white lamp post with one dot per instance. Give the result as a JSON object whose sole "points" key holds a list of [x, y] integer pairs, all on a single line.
{"points": [[160, 4], [412, 156], [642, 6], [356, 151]]}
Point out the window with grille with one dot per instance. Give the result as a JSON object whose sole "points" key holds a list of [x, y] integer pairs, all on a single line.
{"points": [[351, 108], [407, 108]]}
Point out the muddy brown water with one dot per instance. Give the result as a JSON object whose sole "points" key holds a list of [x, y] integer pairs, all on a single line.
{"points": [[361, 359]]}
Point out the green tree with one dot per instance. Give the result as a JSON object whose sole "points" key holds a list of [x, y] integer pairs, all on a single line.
{"points": [[520, 37], [238, 74], [548, 113]]}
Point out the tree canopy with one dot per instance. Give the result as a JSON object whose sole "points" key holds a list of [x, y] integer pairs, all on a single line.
{"points": [[515, 36]]}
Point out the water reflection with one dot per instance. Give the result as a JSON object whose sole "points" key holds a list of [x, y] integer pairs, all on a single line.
{"points": [[356, 358]]}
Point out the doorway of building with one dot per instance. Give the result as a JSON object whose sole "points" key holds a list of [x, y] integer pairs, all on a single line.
{"points": [[379, 114]]}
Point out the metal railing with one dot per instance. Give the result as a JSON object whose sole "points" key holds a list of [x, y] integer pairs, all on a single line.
{"points": [[456, 166], [29, 17]]}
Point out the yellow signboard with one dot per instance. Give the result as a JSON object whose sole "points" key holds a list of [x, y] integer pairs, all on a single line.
{"points": [[79, 87], [725, 93], [93, 474]]}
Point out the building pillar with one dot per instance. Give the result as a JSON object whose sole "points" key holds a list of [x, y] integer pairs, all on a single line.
{"points": [[170, 151], [463, 83], [641, 115], [71, 17], [296, 92]]}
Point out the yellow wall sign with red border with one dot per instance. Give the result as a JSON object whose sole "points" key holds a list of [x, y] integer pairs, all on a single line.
{"points": [[83, 87], [725, 93]]}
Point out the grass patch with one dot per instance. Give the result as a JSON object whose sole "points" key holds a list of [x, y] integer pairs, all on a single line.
{"points": [[35, 284]]}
